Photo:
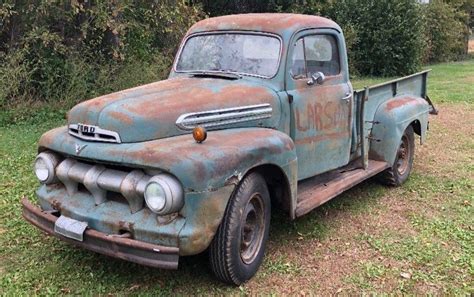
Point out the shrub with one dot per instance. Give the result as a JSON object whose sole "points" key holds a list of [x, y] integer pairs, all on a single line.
{"points": [[388, 34], [445, 32], [55, 51]]}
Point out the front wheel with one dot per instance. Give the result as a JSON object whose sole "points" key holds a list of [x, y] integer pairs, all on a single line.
{"points": [[401, 168], [238, 247]]}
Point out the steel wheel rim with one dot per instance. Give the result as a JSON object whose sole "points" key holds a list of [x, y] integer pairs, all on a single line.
{"points": [[403, 156], [252, 229]]}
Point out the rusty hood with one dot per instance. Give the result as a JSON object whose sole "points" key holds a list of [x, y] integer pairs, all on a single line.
{"points": [[151, 111]]}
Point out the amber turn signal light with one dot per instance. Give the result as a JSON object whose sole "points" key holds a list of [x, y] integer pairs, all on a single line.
{"points": [[199, 134]]}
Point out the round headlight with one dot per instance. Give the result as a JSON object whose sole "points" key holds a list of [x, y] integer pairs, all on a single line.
{"points": [[45, 165], [164, 194]]}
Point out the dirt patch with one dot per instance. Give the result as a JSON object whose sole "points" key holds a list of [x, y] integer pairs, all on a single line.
{"points": [[452, 130], [471, 46]]}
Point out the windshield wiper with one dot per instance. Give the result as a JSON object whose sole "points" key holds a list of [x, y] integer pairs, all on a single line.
{"points": [[217, 73]]}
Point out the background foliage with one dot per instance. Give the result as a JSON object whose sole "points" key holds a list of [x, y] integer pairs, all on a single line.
{"points": [[71, 50], [62, 52]]}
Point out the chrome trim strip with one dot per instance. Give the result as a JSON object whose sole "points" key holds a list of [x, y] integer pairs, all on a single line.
{"points": [[112, 136], [227, 116]]}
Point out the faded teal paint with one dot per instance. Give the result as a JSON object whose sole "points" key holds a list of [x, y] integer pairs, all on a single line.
{"points": [[203, 212], [394, 118], [389, 108], [191, 231], [111, 217], [199, 167], [153, 109], [322, 122], [145, 119]]}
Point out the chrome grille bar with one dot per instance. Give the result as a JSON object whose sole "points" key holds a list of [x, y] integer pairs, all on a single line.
{"points": [[98, 180]]}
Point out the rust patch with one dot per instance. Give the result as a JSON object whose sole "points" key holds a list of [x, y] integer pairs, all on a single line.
{"points": [[197, 98], [48, 138], [122, 117], [203, 223], [56, 205], [124, 248], [395, 103], [232, 180], [267, 22], [322, 137], [126, 226]]}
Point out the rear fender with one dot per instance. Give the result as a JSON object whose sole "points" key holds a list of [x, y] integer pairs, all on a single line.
{"points": [[391, 120]]}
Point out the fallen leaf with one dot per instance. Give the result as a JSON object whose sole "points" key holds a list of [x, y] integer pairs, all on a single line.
{"points": [[406, 275], [134, 287]]}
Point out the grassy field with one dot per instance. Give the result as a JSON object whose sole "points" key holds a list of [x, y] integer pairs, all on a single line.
{"points": [[416, 239]]}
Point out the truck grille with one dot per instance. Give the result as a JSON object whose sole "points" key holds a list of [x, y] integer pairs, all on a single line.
{"points": [[98, 180]]}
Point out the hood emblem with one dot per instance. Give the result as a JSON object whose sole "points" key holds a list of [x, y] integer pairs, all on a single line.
{"points": [[93, 133], [79, 148]]}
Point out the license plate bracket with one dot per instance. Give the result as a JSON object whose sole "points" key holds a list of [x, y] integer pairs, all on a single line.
{"points": [[70, 228]]}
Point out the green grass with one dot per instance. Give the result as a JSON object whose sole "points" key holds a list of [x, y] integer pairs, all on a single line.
{"points": [[447, 82], [430, 233]]}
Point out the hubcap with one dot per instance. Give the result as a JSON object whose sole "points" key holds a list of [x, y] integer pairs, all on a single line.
{"points": [[403, 156], [252, 229]]}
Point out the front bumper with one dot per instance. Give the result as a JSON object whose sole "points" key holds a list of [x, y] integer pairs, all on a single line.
{"points": [[123, 248]]}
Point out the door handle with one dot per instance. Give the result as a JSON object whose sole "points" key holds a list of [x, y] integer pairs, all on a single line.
{"points": [[347, 97]]}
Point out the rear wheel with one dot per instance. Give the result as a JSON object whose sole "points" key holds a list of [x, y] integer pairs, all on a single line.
{"points": [[237, 249], [401, 168]]}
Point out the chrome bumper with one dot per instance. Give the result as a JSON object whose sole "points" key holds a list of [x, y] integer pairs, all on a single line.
{"points": [[123, 248]]}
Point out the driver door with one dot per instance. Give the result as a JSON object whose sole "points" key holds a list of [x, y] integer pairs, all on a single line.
{"points": [[320, 111]]}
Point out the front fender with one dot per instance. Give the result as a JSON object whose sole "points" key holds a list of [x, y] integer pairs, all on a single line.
{"points": [[391, 120], [220, 160], [208, 171]]}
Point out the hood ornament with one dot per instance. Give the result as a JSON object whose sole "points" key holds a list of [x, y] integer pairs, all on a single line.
{"points": [[79, 148]]}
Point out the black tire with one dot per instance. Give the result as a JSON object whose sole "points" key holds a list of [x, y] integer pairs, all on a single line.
{"points": [[238, 247], [401, 168]]}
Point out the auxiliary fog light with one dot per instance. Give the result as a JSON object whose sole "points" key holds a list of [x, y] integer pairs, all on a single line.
{"points": [[164, 194], [45, 166]]}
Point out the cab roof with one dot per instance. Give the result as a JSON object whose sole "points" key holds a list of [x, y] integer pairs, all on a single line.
{"points": [[277, 23]]}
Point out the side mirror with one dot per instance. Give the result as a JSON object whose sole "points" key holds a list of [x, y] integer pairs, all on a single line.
{"points": [[317, 77]]}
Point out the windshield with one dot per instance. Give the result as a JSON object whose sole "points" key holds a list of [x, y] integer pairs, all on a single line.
{"points": [[247, 54]]}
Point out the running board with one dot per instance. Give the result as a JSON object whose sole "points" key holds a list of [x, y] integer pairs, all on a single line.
{"points": [[318, 190]]}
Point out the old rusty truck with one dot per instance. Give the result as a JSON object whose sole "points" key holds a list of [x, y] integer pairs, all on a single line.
{"points": [[258, 112]]}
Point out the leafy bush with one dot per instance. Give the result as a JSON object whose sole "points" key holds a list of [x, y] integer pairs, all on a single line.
{"points": [[389, 38], [445, 32], [57, 51]]}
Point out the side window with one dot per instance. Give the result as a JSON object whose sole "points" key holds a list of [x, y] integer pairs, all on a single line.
{"points": [[298, 64], [316, 53], [322, 54]]}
